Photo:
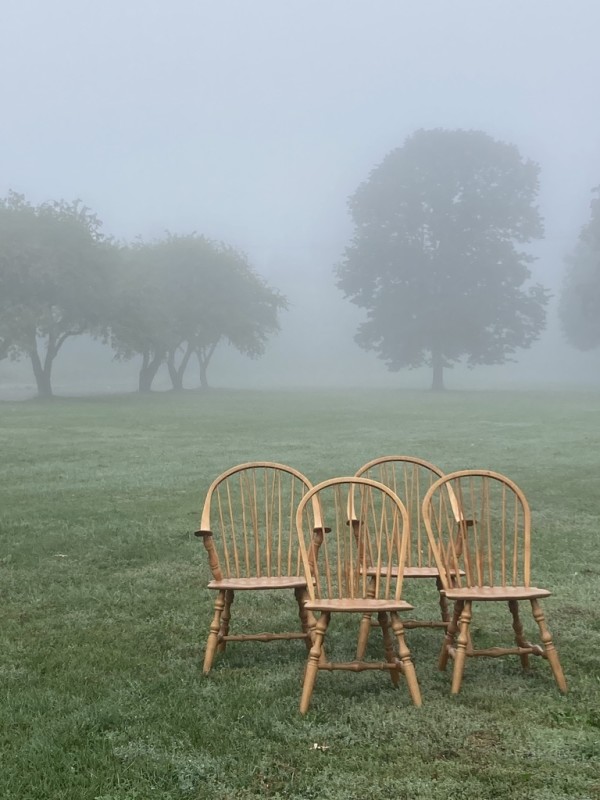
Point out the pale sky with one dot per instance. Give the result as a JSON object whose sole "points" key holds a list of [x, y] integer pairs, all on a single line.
{"points": [[253, 121]]}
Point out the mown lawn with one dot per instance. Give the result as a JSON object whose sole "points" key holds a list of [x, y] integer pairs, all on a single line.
{"points": [[104, 609]]}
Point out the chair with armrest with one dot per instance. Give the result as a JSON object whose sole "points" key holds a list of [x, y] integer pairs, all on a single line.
{"points": [[409, 478], [492, 544], [248, 531], [365, 524]]}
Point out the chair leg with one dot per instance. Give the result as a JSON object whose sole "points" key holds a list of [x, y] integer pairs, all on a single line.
{"points": [[408, 668], [365, 627], [549, 648], [301, 596], [518, 629], [314, 657], [390, 655], [363, 636], [312, 627], [213, 636], [449, 636], [461, 647], [225, 618], [443, 601]]}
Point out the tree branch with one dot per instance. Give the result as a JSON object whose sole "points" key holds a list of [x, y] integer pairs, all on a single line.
{"points": [[64, 336]]}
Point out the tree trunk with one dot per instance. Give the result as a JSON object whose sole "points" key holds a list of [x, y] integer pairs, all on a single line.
{"points": [[42, 373], [203, 376], [437, 362], [148, 370], [204, 355], [176, 373]]}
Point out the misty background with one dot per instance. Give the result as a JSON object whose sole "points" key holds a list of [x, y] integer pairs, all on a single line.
{"points": [[253, 122]]}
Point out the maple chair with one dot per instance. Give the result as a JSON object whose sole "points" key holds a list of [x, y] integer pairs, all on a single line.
{"points": [[409, 478], [491, 543], [365, 524], [247, 527]]}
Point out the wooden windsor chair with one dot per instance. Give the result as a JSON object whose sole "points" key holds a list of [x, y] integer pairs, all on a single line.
{"points": [[248, 531], [409, 478], [492, 543], [366, 524]]}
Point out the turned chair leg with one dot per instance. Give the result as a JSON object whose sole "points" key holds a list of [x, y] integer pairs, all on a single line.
{"points": [[449, 636], [363, 636], [305, 623], [225, 618], [314, 657], [312, 627], [365, 627], [407, 666], [461, 647], [443, 601], [213, 636], [518, 629], [549, 648], [390, 655]]}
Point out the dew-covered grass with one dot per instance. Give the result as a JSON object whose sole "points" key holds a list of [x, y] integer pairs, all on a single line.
{"points": [[104, 609]]}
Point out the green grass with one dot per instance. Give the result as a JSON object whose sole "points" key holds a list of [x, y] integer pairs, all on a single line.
{"points": [[104, 610]]}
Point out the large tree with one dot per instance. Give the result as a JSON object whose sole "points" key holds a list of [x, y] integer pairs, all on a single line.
{"points": [[181, 296], [53, 279], [435, 260], [580, 298]]}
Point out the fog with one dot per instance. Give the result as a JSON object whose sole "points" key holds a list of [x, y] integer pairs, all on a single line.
{"points": [[253, 122]]}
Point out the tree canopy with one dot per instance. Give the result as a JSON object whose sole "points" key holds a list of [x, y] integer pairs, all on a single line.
{"points": [[435, 260], [181, 296], [53, 268], [580, 298]]}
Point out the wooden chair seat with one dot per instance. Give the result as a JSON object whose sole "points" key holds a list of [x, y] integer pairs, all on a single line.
{"points": [[281, 582], [358, 604], [496, 593]]}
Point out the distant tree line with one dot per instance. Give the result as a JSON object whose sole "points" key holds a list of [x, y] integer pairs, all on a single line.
{"points": [[167, 301], [438, 262]]}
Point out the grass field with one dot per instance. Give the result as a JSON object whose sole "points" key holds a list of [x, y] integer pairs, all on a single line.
{"points": [[104, 609]]}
